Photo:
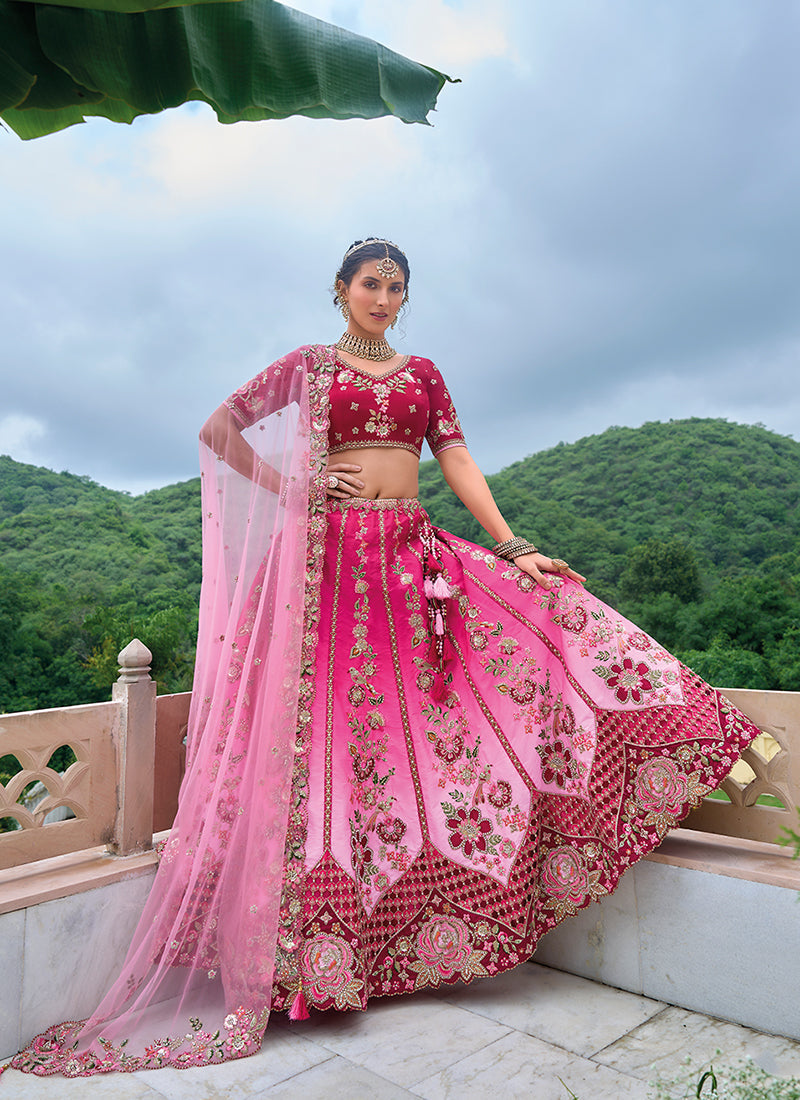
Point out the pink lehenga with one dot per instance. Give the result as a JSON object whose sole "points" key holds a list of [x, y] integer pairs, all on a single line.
{"points": [[407, 761]]}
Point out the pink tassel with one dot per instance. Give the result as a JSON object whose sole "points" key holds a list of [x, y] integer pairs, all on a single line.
{"points": [[441, 589], [439, 627], [430, 588], [299, 1009]]}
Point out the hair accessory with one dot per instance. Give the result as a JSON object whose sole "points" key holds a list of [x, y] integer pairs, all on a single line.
{"points": [[365, 244], [387, 267], [378, 351]]}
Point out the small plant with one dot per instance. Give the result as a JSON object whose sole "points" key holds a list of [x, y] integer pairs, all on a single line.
{"points": [[742, 1081], [792, 838]]}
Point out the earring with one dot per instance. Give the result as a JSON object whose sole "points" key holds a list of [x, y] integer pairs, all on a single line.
{"points": [[394, 321], [345, 308]]}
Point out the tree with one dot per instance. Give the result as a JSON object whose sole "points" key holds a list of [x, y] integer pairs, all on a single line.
{"points": [[656, 566]]}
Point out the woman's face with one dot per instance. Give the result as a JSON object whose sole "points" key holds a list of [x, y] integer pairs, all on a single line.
{"points": [[374, 301]]}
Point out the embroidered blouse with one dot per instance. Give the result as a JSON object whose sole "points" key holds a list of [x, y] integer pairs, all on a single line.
{"points": [[399, 408]]}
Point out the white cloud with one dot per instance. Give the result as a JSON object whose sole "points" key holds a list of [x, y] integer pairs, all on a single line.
{"points": [[19, 434], [433, 32]]}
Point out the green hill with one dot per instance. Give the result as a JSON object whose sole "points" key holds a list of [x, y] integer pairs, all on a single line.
{"points": [[690, 527]]}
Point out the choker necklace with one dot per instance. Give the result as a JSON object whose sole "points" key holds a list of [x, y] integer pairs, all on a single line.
{"points": [[378, 351]]}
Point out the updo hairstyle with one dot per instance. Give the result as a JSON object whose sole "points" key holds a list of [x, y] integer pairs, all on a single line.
{"points": [[369, 251]]}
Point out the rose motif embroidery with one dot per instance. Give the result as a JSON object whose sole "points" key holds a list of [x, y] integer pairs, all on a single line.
{"points": [[391, 832], [327, 962], [557, 764], [639, 640], [444, 944], [565, 875], [468, 831], [661, 786], [478, 639], [629, 680], [499, 794]]}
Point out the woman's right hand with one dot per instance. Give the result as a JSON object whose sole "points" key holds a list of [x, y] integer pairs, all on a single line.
{"points": [[348, 484]]}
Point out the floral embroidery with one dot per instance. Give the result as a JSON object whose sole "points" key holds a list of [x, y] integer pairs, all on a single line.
{"points": [[629, 680], [444, 948], [469, 830], [499, 794], [557, 764], [328, 963], [567, 880]]}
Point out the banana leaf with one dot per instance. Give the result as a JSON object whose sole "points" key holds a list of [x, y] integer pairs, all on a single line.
{"points": [[248, 59]]}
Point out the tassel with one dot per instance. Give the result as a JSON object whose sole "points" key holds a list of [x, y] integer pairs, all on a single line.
{"points": [[441, 589], [430, 588], [299, 1009], [439, 627]]}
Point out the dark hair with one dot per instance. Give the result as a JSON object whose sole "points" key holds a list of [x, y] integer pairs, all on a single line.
{"points": [[368, 251]]}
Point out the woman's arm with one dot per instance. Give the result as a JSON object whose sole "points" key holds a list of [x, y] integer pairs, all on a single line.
{"points": [[468, 483], [222, 433]]}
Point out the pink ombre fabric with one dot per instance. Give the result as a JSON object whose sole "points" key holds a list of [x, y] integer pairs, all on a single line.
{"points": [[196, 984], [407, 761]]}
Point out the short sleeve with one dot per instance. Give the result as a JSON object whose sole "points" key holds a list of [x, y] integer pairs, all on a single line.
{"points": [[444, 427]]}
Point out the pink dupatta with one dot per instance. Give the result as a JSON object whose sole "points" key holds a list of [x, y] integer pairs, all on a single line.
{"points": [[196, 984]]}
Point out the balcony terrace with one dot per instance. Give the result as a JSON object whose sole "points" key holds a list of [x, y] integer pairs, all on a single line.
{"points": [[695, 953]]}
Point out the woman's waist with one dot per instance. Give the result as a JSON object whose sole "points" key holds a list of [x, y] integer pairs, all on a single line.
{"points": [[409, 506]]}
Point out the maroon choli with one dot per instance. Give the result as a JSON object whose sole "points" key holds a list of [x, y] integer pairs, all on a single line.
{"points": [[400, 408]]}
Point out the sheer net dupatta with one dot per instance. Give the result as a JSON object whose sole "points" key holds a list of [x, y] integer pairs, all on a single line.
{"points": [[196, 983]]}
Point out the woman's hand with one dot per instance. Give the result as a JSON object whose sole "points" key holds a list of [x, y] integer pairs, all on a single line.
{"points": [[348, 485], [539, 565]]}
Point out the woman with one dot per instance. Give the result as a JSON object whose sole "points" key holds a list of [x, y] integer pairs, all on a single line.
{"points": [[409, 757]]}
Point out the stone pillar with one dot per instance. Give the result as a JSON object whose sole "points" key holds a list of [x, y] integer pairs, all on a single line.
{"points": [[134, 744]]}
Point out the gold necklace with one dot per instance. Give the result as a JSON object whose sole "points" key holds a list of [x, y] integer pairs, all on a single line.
{"points": [[378, 351]]}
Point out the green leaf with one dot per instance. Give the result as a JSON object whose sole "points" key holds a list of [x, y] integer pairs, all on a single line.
{"points": [[249, 60]]}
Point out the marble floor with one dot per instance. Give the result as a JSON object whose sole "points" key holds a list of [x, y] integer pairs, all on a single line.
{"points": [[535, 1033]]}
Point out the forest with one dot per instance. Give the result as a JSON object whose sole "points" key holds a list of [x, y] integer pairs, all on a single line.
{"points": [[691, 528]]}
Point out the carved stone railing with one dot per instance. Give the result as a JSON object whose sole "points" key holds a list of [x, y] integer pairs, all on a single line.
{"points": [[771, 766], [110, 787], [129, 754]]}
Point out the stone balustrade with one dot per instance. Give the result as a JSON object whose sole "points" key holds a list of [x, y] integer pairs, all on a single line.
{"points": [[123, 784]]}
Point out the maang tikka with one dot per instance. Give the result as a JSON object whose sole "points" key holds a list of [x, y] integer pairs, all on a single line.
{"points": [[387, 267]]}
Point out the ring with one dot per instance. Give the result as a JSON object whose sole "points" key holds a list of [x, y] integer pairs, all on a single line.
{"points": [[559, 565], [333, 481]]}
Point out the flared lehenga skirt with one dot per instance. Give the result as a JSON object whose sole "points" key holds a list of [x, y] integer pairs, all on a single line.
{"points": [[461, 804]]}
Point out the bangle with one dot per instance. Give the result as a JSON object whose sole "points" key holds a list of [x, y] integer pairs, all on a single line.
{"points": [[513, 548]]}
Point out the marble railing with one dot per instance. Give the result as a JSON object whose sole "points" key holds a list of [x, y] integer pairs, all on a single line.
{"points": [[121, 787], [768, 773], [129, 754]]}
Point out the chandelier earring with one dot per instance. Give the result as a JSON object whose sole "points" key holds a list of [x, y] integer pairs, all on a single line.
{"points": [[345, 308]]}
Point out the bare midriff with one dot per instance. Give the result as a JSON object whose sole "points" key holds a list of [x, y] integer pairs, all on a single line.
{"points": [[385, 471]]}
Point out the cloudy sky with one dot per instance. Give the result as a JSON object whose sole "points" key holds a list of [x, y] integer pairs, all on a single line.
{"points": [[603, 226]]}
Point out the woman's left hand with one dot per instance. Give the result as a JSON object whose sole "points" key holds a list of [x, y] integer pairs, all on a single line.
{"points": [[539, 566]]}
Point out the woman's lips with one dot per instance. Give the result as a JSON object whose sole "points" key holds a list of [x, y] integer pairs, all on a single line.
{"points": [[379, 316]]}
